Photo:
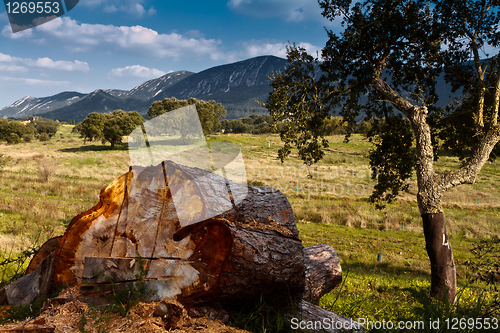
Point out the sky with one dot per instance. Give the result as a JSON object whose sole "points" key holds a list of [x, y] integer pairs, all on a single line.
{"points": [[119, 44]]}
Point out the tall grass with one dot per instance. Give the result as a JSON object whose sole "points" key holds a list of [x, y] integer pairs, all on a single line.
{"points": [[331, 206]]}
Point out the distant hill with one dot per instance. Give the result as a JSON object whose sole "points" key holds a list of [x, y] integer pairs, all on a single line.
{"points": [[237, 86], [28, 105]]}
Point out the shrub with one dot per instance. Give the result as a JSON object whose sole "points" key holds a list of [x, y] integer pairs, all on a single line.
{"points": [[3, 161], [13, 138], [44, 137], [486, 270], [46, 168]]}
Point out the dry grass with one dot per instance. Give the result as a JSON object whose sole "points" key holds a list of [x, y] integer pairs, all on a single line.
{"points": [[43, 186]]}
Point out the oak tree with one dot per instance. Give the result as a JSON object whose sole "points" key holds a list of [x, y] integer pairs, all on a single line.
{"points": [[385, 65], [119, 124], [210, 114]]}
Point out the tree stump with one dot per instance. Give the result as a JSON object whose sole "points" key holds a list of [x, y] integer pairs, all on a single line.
{"points": [[249, 248]]}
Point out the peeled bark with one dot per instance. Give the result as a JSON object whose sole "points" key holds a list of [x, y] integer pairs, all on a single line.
{"points": [[443, 272]]}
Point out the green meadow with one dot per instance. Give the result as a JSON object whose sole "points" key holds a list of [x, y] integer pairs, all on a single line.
{"points": [[43, 185]]}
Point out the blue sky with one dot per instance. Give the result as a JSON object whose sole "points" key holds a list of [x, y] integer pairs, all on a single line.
{"points": [[103, 44]]}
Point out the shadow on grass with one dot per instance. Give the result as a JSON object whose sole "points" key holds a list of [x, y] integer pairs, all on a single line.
{"points": [[383, 268], [94, 148]]}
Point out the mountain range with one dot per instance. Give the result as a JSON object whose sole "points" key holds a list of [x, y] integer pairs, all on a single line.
{"points": [[237, 86]]}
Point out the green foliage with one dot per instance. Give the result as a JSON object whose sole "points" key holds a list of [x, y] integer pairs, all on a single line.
{"points": [[27, 138], [210, 114], [91, 128], [255, 124], [389, 57], [13, 266], [12, 130], [119, 124], [13, 138], [297, 107], [485, 269], [42, 125], [263, 316], [108, 127], [393, 159], [44, 137]]}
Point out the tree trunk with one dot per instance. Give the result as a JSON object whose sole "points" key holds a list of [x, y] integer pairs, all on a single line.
{"points": [[443, 272]]}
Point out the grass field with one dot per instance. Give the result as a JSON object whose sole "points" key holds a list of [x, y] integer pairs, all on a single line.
{"points": [[44, 185]]}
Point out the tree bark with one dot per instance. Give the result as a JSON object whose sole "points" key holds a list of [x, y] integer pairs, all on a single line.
{"points": [[28, 288], [443, 272], [323, 271], [260, 260]]}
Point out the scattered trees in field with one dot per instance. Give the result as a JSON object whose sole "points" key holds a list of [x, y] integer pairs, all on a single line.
{"points": [[110, 127], [385, 66], [255, 124], [91, 127], [12, 131], [42, 125]]}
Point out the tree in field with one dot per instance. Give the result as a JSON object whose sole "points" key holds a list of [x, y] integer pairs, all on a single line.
{"points": [[12, 130], [385, 66], [119, 124], [91, 127], [48, 126], [210, 114]]}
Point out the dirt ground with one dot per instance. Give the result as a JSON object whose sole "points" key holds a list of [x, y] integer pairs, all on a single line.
{"points": [[76, 316]]}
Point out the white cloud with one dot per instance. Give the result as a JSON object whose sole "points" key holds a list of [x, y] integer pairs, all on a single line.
{"points": [[83, 37], [62, 65], [136, 71], [32, 82], [152, 11], [132, 7], [13, 63], [12, 68], [7, 32], [256, 48], [291, 10]]}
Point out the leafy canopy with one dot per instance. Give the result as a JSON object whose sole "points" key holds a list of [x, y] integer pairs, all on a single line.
{"points": [[209, 112], [385, 63]]}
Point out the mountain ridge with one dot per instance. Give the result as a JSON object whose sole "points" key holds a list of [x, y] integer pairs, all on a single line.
{"points": [[237, 86]]}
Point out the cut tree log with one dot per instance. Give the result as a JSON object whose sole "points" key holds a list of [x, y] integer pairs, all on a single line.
{"points": [[52, 245], [323, 271], [312, 318], [249, 248], [26, 289]]}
